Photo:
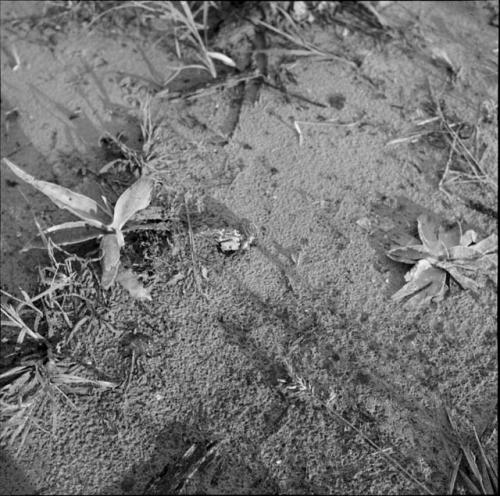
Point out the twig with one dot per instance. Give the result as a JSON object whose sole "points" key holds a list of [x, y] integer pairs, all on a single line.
{"points": [[294, 95], [446, 170], [314, 50], [131, 371], [299, 132], [192, 246]]}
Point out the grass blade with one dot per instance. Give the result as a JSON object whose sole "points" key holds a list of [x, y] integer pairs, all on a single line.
{"points": [[68, 233]]}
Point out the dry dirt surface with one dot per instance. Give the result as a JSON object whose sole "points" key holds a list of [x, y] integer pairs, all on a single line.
{"points": [[284, 367]]}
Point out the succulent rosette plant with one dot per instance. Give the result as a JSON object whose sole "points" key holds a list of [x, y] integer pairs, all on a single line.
{"points": [[444, 252]]}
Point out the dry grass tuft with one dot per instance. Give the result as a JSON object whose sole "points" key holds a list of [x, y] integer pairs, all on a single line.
{"points": [[37, 369], [460, 141], [472, 468]]}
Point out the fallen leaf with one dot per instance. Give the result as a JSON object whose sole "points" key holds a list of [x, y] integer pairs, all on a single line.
{"points": [[487, 245], [468, 237], [428, 233], [222, 58], [449, 237], [175, 279], [131, 283], [110, 261], [459, 276], [426, 284], [407, 254], [229, 240], [365, 223]]}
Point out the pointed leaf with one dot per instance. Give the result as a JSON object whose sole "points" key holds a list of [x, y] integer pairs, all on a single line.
{"points": [[110, 261], [487, 245], [408, 254], [80, 205], [133, 199], [222, 58], [131, 283], [449, 237], [428, 232], [68, 233], [463, 253], [426, 283], [471, 460], [459, 276], [468, 237], [484, 264]]}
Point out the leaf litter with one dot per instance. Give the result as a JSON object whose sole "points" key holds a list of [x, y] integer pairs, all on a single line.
{"points": [[444, 252]]}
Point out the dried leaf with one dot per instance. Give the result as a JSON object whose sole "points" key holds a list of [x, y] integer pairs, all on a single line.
{"points": [[133, 199], [449, 237], [468, 237], [428, 232], [463, 253], [68, 233], [131, 283], [222, 58], [229, 240], [487, 245], [426, 284], [365, 223], [80, 205], [175, 279], [459, 276], [110, 261], [408, 254]]}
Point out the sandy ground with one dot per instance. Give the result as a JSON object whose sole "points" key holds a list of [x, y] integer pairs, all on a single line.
{"points": [[258, 353]]}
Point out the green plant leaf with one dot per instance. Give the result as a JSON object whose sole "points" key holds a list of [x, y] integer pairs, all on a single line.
{"points": [[425, 284], [68, 233], [80, 205], [133, 199], [110, 261]]}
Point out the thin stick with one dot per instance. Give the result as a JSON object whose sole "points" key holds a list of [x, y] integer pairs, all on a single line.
{"points": [[446, 170], [127, 384], [294, 95], [192, 246]]}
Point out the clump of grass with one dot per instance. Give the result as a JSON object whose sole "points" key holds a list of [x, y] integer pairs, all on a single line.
{"points": [[139, 162], [473, 468], [187, 19], [36, 367], [459, 140], [283, 25]]}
